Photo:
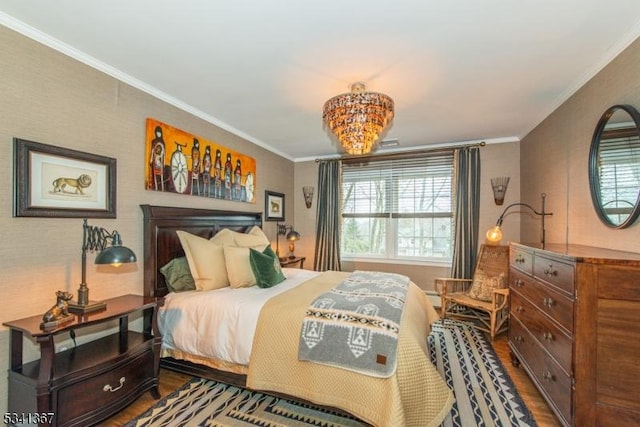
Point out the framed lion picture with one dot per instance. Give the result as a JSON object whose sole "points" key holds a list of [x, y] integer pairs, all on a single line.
{"points": [[52, 181]]}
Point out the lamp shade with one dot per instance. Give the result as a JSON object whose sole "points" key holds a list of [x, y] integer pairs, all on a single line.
{"points": [[293, 235], [116, 255]]}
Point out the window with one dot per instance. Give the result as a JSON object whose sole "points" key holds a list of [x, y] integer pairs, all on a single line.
{"points": [[398, 209]]}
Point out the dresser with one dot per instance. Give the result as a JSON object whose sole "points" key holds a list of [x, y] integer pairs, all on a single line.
{"points": [[575, 328]]}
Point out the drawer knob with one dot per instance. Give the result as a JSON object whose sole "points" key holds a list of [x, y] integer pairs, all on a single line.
{"points": [[549, 302], [547, 336], [519, 282], [518, 339], [108, 387], [520, 259], [550, 271], [519, 309], [548, 376]]}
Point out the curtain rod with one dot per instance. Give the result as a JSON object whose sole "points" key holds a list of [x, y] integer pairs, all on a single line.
{"points": [[401, 154]]}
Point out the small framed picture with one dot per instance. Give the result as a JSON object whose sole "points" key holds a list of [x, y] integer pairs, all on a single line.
{"points": [[51, 181], [273, 206]]}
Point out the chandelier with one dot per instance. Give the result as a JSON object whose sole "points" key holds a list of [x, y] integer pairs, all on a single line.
{"points": [[357, 118]]}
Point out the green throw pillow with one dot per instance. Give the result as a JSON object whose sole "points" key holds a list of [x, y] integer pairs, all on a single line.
{"points": [[177, 275], [266, 267]]}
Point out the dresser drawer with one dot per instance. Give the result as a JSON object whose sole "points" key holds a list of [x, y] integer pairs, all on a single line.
{"points": [[519, 281], [548, 334], [545, 298], [552, 381], [119, 384], [522, 260], [555, 272]]}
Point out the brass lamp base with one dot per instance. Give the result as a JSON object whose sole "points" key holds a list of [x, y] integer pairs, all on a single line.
{"points": [[89, 307]]}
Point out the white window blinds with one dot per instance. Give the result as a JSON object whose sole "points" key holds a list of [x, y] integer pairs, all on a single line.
{"points": [[398, 207], [419, 187]]}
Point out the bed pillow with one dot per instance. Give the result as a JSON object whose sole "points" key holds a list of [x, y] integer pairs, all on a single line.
{"points": [[224, 237], [177, 275], [266, 268], [239, 266], [255, 237], [483, 285], [206, 261]]}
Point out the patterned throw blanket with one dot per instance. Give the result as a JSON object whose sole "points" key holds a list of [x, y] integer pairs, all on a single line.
{"points": [[355, 325]]}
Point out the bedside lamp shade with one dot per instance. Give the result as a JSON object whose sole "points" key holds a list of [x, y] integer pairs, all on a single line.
{"points": [[116, 254], [293, 235]]}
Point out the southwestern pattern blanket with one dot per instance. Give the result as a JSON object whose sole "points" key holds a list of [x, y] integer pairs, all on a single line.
{"points": [[355, 325]]}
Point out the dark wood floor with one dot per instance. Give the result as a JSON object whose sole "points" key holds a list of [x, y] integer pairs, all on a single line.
{"points": [[169, 381]]}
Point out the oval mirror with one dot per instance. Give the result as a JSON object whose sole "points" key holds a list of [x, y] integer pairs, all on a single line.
{"points": [[614, 166]]}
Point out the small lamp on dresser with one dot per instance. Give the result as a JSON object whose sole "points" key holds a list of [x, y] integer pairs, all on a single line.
{"points": [[494, 234]]}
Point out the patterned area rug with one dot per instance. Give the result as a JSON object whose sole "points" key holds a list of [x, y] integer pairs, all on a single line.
{"points": [[485, 395]]}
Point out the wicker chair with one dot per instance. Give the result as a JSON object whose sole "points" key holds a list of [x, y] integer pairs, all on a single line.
{"points": [[489, 316]]}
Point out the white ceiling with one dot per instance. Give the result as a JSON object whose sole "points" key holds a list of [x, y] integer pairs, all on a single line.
{"points": [[458, 70]]}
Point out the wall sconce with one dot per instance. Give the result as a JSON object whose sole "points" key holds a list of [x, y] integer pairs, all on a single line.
{"points": [[96, 239], [308, 195], [291, 236], [499, 186], [494, 235]]}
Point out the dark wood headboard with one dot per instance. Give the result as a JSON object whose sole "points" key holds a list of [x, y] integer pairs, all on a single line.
{"points": [[161, 243]]}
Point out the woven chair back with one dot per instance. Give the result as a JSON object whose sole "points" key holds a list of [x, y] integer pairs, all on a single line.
{"points": [[493, 260]]}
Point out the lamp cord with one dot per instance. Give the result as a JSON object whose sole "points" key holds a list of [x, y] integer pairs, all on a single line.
{"points": [[72, 334]]}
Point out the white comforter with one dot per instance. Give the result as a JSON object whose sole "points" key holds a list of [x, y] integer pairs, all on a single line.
{"points": [[219, 323]]}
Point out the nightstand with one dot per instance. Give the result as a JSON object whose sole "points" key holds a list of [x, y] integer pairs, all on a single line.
{"points": [[85, 384], [287, 262]]}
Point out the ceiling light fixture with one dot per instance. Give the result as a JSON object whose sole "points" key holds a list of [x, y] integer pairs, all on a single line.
{"points": [[357, 118]]}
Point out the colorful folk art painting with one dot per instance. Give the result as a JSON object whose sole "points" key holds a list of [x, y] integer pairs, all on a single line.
{"points": [[179, 162]]}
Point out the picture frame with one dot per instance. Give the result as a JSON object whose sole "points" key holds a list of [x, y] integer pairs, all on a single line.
{"points": [[273, 206], [51, 181]]}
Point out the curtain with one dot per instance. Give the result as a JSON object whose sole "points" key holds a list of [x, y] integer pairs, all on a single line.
{"points": [[467, 212], [327, 255]]}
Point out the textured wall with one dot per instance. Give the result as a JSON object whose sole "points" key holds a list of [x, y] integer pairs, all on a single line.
{"points": [[554, 159], [51, 98]]}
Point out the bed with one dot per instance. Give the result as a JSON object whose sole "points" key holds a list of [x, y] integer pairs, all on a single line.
{"points": [[414, 395]]}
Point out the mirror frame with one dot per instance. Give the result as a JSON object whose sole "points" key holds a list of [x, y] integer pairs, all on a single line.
{"points": [[594, 181]]}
